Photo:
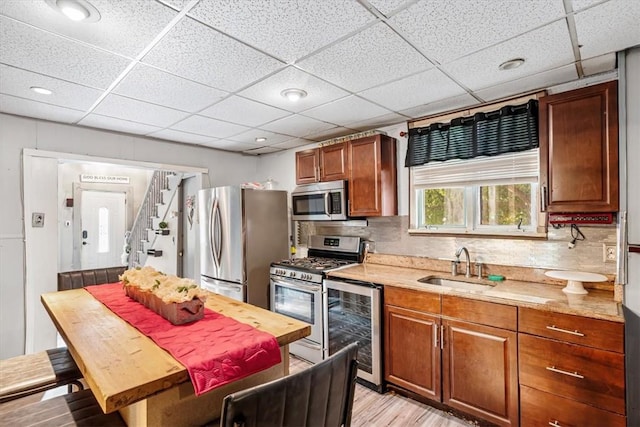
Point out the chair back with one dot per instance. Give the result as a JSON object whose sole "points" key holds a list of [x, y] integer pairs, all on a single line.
{"points": [[321, 395]]}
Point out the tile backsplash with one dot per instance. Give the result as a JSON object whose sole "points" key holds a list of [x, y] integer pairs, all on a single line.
{"points": [[391, 237]]}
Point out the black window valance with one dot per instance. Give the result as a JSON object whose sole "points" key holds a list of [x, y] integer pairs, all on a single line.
{"points": [[511, 128]]}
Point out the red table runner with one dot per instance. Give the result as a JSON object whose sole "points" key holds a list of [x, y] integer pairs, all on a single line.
{"points": [[216, 350]]}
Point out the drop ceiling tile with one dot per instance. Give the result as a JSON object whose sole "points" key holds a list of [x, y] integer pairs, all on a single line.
{"points": [[199, 53], [28, 108], [137, 111], [443, 106], [105, 122], [209, 127], [297, 125], [289, 29], [224, 144], [42, 52], [244, 111], [599, 64], [174, 135], [378, 122], [390, 7], [293, 143], [159, 87], [262, 150], [346, 110], [318, 92], [529, 83], [125, 27], [371, 57], [608, 27], [480, 70], [249, 137], [582, 4], [330, 134], [14, 81], [419, 89], [445, 30]]}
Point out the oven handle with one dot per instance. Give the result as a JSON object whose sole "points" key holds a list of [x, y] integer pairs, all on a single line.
{"points": [[353, 282], [296, 285]]}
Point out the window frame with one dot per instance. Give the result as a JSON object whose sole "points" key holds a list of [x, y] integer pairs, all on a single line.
{"points": [[472, 202]]}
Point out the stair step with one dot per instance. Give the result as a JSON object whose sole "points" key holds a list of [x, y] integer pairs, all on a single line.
{"points": [[154, 252]]}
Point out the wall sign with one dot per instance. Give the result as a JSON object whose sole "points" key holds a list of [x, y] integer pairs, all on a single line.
{"points": [[108, 179]]}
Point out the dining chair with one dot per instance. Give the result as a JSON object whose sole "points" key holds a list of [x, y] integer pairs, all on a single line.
{"points": [[321, 395]]}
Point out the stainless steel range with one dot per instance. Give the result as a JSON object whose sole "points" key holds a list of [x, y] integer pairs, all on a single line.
{"points": [[339, 311]]}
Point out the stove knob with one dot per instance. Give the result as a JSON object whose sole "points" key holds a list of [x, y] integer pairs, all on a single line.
{"points": [[292, 274]]}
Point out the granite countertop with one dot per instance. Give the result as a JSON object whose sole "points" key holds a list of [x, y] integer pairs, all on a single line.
{"points": [[598, 304]]}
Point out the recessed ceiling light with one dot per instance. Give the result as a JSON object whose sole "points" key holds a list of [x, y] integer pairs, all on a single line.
{"points": [[41, 90], [76, 10], [293, 94], [261, 139], [511, 64]]}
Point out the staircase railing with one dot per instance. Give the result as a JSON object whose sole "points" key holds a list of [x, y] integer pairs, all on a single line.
{"points": [[146, 213]]}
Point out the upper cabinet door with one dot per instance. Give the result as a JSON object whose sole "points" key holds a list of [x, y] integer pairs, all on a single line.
{"points": [[333, 162], [372, 179], [579, 150], [307, 167]]}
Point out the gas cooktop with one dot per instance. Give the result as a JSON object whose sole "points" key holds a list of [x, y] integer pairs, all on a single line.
{"points": [[314, 263]]}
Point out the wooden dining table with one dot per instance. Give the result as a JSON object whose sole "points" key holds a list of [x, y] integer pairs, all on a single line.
{"points": [[129, 373]]}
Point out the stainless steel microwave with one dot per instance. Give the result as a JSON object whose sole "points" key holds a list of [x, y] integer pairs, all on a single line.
{"points": [[324, 201]]}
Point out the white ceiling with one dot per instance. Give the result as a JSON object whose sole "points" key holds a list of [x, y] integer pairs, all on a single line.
{"points": [[210, 72]]}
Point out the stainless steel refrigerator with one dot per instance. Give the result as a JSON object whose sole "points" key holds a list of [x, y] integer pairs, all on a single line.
{"points": [[241, 232]]}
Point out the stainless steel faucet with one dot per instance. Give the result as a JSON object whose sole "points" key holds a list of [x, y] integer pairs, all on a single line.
{"points": [[466, 253]]}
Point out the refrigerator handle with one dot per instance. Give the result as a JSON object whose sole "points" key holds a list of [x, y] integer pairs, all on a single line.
{"points": [[214, 234]]}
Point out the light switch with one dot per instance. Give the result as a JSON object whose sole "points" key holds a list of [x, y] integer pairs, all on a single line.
{"points": [[37, 219]]}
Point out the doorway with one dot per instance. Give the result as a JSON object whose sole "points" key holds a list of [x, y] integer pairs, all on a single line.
{"points": [[103, 223]]}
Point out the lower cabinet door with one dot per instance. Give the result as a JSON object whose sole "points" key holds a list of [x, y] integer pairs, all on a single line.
{"points": [[480, 371], [412, 359], [538, 408]]}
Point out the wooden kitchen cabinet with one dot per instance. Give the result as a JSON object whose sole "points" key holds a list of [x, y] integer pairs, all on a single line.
{"points": [[480, 359], [328, 163], [368, 165], [412, 352], [439, 348], [569, 362], [579, 150], [333, 162], [372, 176], [307, 166]]}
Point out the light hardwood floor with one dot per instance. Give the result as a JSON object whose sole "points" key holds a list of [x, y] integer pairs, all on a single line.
{"points": [[372, 409]]}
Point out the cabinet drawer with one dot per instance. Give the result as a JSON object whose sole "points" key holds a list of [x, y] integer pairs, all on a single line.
{"points": [[412, 299], [538, 408], [575, 329], [482, 312], [585, 374]]}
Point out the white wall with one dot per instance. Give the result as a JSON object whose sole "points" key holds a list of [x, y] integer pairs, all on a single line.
{"points": [[18, 133]]}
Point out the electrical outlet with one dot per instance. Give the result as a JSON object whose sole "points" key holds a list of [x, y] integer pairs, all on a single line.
{"points": [[609, 253]]}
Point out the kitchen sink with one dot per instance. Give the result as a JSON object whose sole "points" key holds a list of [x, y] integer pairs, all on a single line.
{"points": [[454, 284]]}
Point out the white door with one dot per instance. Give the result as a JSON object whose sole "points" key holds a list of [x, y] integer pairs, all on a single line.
{"points": [[103, 225]]}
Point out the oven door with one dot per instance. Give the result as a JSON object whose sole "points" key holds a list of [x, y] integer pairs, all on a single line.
{"points": [[353, 314], [299, 300]]}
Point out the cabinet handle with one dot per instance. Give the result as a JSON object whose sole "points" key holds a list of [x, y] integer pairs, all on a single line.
{"points": [[566, 331], [554, 423], [435, 335], [441, 337], [560, 371]]}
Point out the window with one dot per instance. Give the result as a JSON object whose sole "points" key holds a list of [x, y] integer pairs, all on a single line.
{"points": [[484, 195]]}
